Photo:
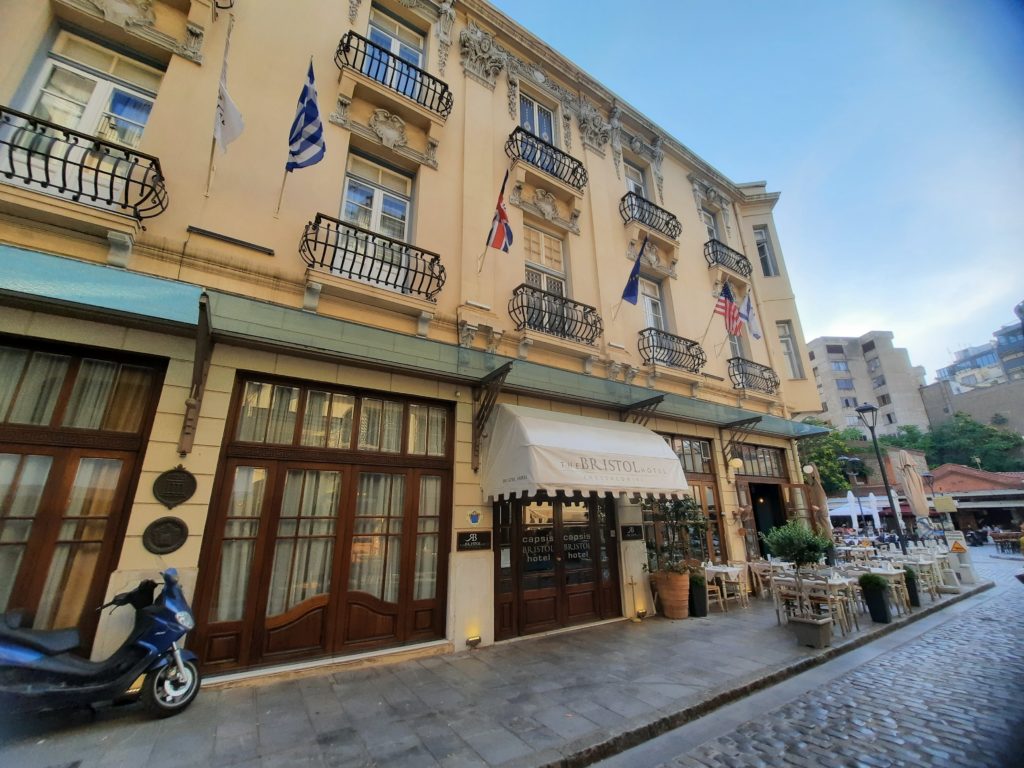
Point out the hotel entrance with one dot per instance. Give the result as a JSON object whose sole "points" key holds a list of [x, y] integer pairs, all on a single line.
{"points": [[556, 563]]}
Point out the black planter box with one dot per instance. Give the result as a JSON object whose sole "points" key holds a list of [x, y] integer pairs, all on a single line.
{"points": [[698, 601], [878, 607]]}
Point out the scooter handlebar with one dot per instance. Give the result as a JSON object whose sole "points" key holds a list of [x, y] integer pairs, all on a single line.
{"points": [[140, 597]]}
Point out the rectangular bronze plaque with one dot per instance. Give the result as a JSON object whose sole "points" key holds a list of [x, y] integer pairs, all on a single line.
{"points": [[632, 533], [472, 541]]}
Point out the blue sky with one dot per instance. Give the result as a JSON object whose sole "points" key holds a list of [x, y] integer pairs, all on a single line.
{"points": [[893, 128]]}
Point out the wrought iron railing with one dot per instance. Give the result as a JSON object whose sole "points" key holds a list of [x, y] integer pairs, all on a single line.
{"points": [[101, 174], [636, 208], [667, 349], [386, 68], [716, 252], [523, 145], [538, 310], [746, 374], [356, 253]]}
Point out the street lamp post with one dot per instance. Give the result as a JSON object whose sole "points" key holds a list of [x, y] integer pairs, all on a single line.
{"points": [[869, 417]]}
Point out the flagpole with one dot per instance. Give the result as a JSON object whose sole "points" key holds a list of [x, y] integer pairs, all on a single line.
{"points": [[213, 165], [480, 261], [615, 312], [280, 197]]}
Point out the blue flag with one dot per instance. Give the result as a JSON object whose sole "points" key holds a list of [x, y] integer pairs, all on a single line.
{"points": [[306, 138], [632, 290]]}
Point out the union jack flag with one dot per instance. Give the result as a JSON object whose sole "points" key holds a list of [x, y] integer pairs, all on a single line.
{"points": [[726, 307], [500, 236]]}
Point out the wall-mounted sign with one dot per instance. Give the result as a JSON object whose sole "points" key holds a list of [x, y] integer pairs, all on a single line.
{"points": [[164, 535], [472, 541], [632, 532], [174, 486]]}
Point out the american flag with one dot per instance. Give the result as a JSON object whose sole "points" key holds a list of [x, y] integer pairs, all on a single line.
{"points": [[500, 236], [726, 307]]}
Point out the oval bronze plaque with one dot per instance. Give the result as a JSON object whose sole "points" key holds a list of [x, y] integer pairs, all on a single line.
{"points": [[174, 486], [164, 535]]}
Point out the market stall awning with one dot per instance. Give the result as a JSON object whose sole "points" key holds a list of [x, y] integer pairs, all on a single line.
{"points": [[530, 450]]}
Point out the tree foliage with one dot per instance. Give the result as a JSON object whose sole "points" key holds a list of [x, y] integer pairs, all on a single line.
{"points": [[824, 451], [910, 437], [962, 439]]}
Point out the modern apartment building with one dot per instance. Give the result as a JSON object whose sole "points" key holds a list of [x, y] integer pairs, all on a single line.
{"points": [[1009, 344], [851, 371], [350, 425], [978, 366]]}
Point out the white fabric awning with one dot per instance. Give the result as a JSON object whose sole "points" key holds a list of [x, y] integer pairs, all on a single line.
{"points": [[530, 450]]}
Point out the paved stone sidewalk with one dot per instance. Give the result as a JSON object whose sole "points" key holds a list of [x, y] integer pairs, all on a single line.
{"points": [[952, 697], [525, 703]]}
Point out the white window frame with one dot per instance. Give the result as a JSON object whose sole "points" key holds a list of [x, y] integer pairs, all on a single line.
{"points": [[380, 192], [737, 346], [637, 185], [787, 341], [710, 220], [654, 306], [379, 21], [765, 252], [535, 107]]}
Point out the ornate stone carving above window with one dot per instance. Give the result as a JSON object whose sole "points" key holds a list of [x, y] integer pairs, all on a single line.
{"points": [[390, 129], [594, 131], [386, 129], [482, 58], [137, 17], [656, 260], [705, 195], [544, 205], [653, 152]]}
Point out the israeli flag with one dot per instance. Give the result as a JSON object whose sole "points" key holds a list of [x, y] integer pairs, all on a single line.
{"points": [[749, 317], [306, 138]]}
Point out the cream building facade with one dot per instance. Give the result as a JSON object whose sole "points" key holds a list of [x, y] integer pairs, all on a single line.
{"points": [[293, 393]]}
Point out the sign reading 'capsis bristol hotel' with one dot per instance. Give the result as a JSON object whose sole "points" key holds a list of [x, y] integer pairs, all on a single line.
{"points": [[599, 466]]}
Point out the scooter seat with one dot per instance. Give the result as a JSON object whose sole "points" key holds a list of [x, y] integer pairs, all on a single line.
{"points": [[48, 641]]}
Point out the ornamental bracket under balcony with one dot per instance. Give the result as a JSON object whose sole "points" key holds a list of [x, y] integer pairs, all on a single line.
{"points": [[373, 73], [746, 374], [88, 181]]}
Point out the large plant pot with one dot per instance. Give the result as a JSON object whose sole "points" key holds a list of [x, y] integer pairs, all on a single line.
{"points": [[698, 601], [674, 594], [915, 596], [816, 633], [878, 607]]}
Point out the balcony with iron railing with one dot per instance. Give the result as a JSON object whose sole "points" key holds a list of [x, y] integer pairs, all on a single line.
{"points": [[338, 248], [537, 153], [633, 207], [401, 77], [746, 374], [535, 309], [719, 254], [663, 348], [89, 170]]}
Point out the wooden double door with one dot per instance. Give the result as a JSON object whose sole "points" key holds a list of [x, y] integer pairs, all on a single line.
{"points": [[557, 564], [308, 559]]}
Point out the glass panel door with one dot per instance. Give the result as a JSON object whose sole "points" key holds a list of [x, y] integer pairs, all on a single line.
{"points": [[538, 587], [22, 482]]}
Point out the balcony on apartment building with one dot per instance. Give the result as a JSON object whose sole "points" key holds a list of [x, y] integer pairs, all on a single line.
{"points": [[663, 348], [535, 309], [333, 247], [633, 207], [380, 65], [534, 151], [719, 254], [94, 171], [746, 374]]}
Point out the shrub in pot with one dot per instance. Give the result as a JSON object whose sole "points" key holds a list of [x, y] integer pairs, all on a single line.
{"points": [[797, 543], [876, 595], [910, 577]]}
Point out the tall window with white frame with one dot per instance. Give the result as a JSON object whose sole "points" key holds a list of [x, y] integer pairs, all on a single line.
{"points": [[787, 341], [402, 41], [635, 180], [86, 87], [545, 270], [538, 120], [769, 266], [376, 199], [710, 220], [654, 312]]}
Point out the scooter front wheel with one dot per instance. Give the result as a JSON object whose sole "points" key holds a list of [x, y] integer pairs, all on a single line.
{"points": [[167, 692]]}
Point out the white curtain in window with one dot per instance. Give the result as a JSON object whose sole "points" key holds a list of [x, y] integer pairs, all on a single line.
{"points": [[131, 396], [22, 479], [240, 531], [377, 544], [40, 388], [12, 364], [427, 531], [90, 395]]}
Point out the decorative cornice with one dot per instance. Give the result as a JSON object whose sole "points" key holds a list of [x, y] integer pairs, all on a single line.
{"points": [[385, 129], [482, 58], [545, 206]]}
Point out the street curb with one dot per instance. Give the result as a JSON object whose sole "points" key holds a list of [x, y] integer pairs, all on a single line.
{"points": [[584, 752]]}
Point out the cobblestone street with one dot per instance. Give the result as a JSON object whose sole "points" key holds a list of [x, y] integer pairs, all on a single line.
{"points": [[951, 697]]}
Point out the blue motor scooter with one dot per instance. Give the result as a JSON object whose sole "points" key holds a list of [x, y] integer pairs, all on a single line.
{"points": [[39, 672]]}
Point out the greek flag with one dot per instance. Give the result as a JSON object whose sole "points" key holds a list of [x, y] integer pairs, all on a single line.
{"points": [[306, 138]]}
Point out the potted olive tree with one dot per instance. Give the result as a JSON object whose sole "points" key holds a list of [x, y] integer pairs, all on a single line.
{"points": [[876, 592], [797, 543], [680, 522]]}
